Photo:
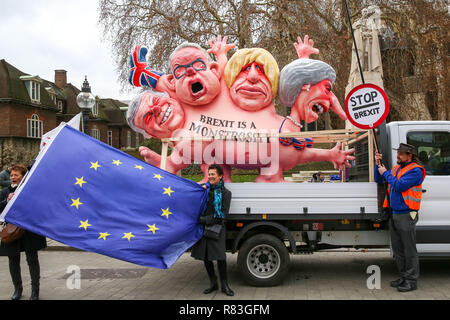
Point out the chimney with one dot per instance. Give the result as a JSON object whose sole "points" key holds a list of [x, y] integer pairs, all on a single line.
{"points": [[61, 78]]}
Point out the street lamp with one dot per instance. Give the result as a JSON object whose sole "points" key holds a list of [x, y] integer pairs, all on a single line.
{"points": [[85, 100]]}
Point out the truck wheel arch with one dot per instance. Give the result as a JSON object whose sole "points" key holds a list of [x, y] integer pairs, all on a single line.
{"points": [[271, 224]]}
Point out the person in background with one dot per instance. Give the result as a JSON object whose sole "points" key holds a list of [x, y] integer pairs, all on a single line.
{"points": [[423, 157], [208, 249], [29, 242], [405, 193], [4, 178], [318, 177]]}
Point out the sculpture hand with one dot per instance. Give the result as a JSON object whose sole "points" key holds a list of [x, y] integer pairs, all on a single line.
{"points": [[339, 157], [305, 48], [219, 46], [150, 156]]}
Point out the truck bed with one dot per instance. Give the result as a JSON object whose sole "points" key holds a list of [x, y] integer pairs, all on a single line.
{"points": [[357, 200]]}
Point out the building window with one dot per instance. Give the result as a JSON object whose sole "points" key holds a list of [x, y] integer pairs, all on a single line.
{"points": [[110, 138], [35, 91], [137, 140], [95, 109], [95, 133], [128, 139], [34, 127], [60, 106]]}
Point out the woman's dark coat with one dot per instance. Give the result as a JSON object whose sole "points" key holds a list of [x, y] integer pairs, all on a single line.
{"points": [[28, 242], [210, 249]]}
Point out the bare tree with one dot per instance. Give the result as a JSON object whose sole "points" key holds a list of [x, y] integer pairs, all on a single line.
{"points": [[416, 50]]}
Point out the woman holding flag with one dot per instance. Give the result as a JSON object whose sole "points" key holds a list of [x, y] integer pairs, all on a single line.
{"points": [[212, 246], [29, 242]]}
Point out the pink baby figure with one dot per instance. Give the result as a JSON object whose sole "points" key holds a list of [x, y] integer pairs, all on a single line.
{"points": [[156, 115], [194, 82], [194, 79]]}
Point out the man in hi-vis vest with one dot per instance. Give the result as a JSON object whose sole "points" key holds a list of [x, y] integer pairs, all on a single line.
{"points": [[405, 192]]}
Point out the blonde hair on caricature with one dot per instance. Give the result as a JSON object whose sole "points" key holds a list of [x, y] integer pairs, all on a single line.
{"points": [[243, 57]]}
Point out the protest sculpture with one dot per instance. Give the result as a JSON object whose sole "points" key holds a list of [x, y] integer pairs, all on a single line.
{"points": [[231, 102]]}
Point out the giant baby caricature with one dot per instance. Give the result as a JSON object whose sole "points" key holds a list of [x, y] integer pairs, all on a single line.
{"points": [[231, 102]]}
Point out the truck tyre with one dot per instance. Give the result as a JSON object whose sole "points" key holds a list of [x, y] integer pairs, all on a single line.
{"points": [[263, 260]]}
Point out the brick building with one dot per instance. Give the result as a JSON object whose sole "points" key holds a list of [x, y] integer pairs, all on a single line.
{"points": [[31, 106]]}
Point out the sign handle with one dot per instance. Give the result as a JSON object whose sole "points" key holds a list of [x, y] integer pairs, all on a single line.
{"points": [[360, 68]]}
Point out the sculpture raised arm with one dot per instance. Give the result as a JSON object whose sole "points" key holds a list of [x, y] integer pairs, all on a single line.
{"points": [[219, 48], [305, 48]]}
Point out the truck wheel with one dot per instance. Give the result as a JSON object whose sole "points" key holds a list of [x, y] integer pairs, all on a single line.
{"points": [[263, 260]]}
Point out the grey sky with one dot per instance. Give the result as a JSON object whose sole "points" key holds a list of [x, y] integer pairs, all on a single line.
{"points": [[40, 36]]}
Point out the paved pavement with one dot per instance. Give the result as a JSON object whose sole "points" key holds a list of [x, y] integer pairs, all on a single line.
{"points": [[322, 275]]}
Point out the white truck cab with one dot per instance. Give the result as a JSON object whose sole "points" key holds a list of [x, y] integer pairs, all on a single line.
{"points": [[432, 140]]}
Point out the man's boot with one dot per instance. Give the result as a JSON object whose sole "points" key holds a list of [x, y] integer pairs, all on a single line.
{"points": [[407, 285], [212, 278], [397, 282], [222, 264]]}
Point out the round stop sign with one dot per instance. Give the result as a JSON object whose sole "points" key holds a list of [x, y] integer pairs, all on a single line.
{"points": [[366, 106]]}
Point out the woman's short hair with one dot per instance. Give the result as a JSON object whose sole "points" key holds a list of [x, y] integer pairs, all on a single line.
{"points": [[243, 57], [217, 168], [20, 168], [300, 72]]}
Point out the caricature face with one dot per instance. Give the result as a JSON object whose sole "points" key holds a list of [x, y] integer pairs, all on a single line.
{"points": [[251, 90], [158, 116], [319, 99], [195, 79]]}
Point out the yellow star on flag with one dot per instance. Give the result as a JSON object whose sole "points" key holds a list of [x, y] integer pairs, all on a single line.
{"points": [[117, 162], [166, 213], [138, 167], [95, 165], [76, 202], [103, 235], [157, 176], [152, 228], [84, 224], [128, 235], [168, 191], [80, 181]]}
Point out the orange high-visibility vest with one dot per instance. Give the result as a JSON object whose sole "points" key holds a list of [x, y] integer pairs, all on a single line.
{"points": [[412, 196]]}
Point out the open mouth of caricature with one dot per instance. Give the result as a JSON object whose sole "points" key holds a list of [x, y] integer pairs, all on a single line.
{"points": [[166, 115], [197, 89], [320, 108]]}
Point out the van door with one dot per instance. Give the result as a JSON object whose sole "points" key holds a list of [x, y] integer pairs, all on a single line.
{"points": [[433, 145]]}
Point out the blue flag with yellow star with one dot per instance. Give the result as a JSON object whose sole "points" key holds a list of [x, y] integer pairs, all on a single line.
{"points": [[90, 196]]}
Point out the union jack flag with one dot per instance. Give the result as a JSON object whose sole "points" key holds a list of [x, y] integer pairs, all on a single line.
{"points": [[140, 73]]}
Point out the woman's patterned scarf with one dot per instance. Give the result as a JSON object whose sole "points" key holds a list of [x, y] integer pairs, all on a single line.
{"points": [[218, 188]]}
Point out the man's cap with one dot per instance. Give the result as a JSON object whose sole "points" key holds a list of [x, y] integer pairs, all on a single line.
{"points": [[404, 147]]}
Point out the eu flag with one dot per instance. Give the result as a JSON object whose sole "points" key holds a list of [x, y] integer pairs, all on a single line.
{"points": [[90, 196]]}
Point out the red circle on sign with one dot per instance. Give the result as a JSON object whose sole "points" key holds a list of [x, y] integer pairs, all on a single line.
{"points": [[386, 106]]}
